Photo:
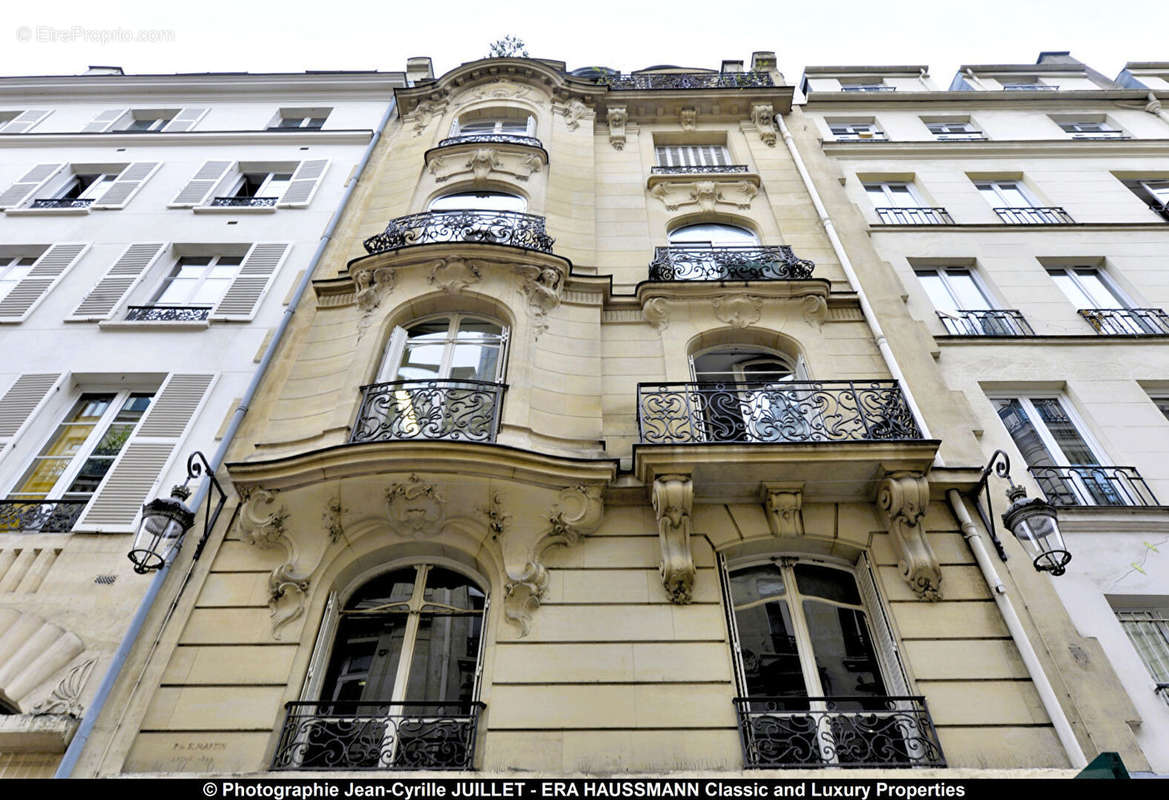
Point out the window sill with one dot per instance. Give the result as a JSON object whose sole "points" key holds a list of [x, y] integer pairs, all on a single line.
{"points": [[47, 212], [234, 209], [151, 325]]}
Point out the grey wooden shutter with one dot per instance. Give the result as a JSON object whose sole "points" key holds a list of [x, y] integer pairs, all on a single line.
{"points": [[35, 178], [121, 278], [139, 467], [205, 180], [242, 297], [24, 121], [186, 119], [304, 184], [22, 399], [127, 184], [48, 269], [104, 121], [896, 683]]}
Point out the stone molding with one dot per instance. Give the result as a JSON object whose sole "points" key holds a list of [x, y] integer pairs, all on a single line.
{"points": [[33, 651], [733, 191], [617, 118], [673, 500], [902, 499], [783, 505], [738, 310], [484, 162]]}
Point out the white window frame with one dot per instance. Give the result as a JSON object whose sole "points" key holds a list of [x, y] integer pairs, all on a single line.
{"points": [[1045, 436], [1087, 128], [1071, 272], [11, 264], [998, 186], [304, 117], [1156, 618], [159, 119], [969, 131], [477, 194], [857, 131], [943, 275], [1158, 188], [739, 241], [886, 188], [692, 155], [871, 85], [1026, 85], [396, 348], [167, 280], [458, 126]]}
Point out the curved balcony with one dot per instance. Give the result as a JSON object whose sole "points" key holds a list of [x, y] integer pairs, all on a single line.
{"points": [[39, 516], [492, 138], [452, 410], [510, 228], [688, 80], [701, 263]]}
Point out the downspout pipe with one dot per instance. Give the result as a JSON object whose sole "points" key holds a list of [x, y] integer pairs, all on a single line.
{"points": [[1063, 728], [89, 720]]}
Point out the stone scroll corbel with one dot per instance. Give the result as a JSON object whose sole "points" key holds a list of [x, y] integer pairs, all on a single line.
{"points": [[783, 504], [617, 117], [673, 500], [763, 115], [902, 499]]}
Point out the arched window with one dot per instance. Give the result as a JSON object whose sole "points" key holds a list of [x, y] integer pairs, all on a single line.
{"points": [[478, 201], [400, 684], [712, 234], [747, 395], [513, 121]]}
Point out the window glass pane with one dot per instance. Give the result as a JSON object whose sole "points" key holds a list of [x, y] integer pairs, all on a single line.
{"points": [[365, 659], [1098, 292], [473, 328], [480, 201], [421, 362], [767, 642], [714, 234], [451, 589], [966, 291], [1063, 430], [1071, 290], [474, 362], [936, 289], [432, 330], [442, 666], [1148, 630], [1023, 431], [828, 583], [1012, 196], [901, 197], [55, 457], [846, 660]]}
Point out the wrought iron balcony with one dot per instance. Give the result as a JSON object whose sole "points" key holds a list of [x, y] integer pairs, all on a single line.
{"points": [[463, 411], [688, 80], [492, 138], [1127, 321], [244, 202], [510, 228], [705, 169], [979, 322], [406, 735], [62, 202], [700, 263], [39, 516], [1035, 215], [779, 732], [167, 313], [915, 216], [773, 413], [1093, 485]]}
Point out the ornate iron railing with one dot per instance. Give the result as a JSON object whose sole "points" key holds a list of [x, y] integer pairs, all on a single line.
{"points": [[915, 216], [705, 169], [464, 411], [510, 228], [407, 735], [1127, 321], [244, 202], [868, 88], [1029, 87], [1101, 135], [1035, 215], [492, 138], [972, 136], [770, 263], [688, 80], [39, 516], [778, 732], [773, 413], [979, 322], [168, 313], [1093, 485], [62, 202]]}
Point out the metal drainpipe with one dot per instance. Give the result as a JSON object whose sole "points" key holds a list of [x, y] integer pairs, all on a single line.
{"points": [[1063, 727], [73, 753]]}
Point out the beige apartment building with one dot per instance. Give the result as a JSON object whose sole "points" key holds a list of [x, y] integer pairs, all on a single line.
{"points": [[605, 442]]}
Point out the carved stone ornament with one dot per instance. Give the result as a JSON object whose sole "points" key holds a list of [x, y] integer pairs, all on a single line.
{"points": [[783, 504], [482, 162], [574, 111], [763, 115], [738, 310], [815, 310], [657, 313], [372, 285], [707, 195], [493, 513], [673, 499], [332, 520], [617, 117], [33, 651], [689, 118], [903, 498], [452, 275], [66, 696], [542, 287], [577, 512], [1154, 105], [424, 112], [416, 507]]}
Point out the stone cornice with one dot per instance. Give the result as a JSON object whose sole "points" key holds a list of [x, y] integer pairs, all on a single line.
{"points": [[706, 290], [121, 138], [1002, 227], [167, 88], [998, 147], [972, 99], [492, 69]]}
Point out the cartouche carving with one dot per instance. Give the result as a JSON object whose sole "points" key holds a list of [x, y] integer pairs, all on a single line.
{"points": [[783, 504], [738, 310], [452, 275], [657, 312], [416, 508]]}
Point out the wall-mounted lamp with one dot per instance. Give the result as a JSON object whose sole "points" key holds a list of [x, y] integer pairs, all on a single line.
{"points": [[1032, 521], [166, 520]]}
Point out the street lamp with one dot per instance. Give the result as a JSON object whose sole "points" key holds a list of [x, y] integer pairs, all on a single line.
{"points": [[166, 520], [1032, 521]]}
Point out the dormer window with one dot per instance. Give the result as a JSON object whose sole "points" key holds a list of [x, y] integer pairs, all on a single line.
{"points": [[300, 118], [865, 85]]}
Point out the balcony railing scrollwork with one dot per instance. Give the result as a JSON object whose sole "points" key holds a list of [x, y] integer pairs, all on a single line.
{"points": [[792, 732], [39, 516], [688, 80], [358, 735], [511, 228], [454, 410], [1093, 485], [491, 138], [773, 413], [915, 216], [752, 263], [702, 169], [244, 202], [1127, 321], [168, 313], [986, 322], [62, 202], [1035, 215]]}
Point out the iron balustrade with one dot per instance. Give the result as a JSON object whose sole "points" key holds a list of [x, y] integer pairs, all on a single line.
{"points": [[985, 322], [915, 216], [359, 735], [492, 138], [1093, 485], [773, 413], [960, 137], [1029, 87], [792, 732], [1127, 321], [687, 80], [39, 516], [168, 313], [511, 228], [62, 202], [869, 88], [700, 169], [1035, 215], [454, 410], [750, 263], [1101, 135], [244, 202]]}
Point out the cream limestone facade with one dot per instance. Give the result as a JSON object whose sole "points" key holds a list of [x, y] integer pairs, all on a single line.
{"points": [[508, 500]]}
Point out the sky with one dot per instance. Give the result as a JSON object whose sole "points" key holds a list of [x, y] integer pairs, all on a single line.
{"points": [[148, 36]]}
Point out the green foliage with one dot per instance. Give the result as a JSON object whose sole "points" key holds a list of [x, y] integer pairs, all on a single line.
{"points": [[508, 47]]}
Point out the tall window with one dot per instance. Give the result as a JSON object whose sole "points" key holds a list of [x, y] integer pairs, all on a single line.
{"points": [[13, 269], [89, 186], [450, 347], [746, 396], [952, 289], [1086, 287], [1004, 194], [198, 281], [254, 185], [693, 155]]}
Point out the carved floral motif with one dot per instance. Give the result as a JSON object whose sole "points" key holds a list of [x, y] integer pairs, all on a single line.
{"points": [[784, 507], [657, 312]]}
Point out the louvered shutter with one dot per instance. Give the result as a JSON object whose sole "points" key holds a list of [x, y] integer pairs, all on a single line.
{"points": [[242, 297], [205, 180], [134, 476], [127, 184], [43, 276], [22, 399], [121, 278], [893, 671], [104, 121], [304, 184], [186, 119], [34, 179], [24, 121]]}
